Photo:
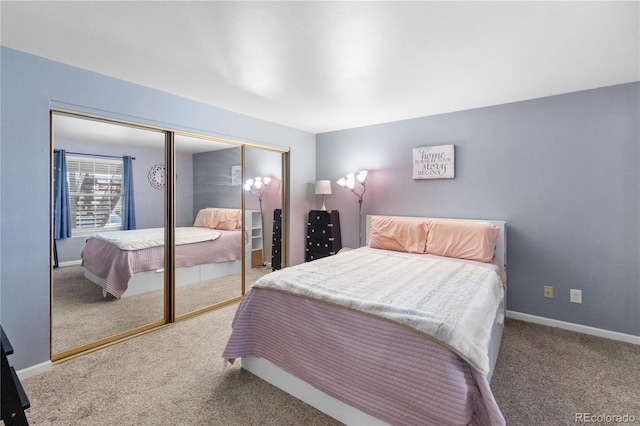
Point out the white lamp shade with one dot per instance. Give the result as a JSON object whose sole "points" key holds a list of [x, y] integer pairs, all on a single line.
{"points": [[362, 176], [260, 183], [323, 187]]}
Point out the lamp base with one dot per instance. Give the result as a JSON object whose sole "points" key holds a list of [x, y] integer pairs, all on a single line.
{"points": [[324, 208]]}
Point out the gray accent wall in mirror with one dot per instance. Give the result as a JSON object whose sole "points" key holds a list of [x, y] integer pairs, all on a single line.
{"points": [[209, 206]]}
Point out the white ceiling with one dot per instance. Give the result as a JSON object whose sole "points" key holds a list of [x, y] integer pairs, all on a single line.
{"points": [[322, 66]]}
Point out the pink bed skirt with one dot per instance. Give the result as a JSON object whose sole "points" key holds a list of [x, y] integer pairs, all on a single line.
{"points": [[387, 370]]}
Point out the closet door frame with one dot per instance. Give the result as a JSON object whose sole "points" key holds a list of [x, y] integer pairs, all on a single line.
{"points": [[169, 229]]}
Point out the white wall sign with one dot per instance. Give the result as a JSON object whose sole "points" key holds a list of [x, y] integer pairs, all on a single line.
{"points": [[434, 162], [236, 175]]}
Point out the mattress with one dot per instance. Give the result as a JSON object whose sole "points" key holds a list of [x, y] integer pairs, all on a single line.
{"points": [[385, 369], [381, 332], [117, 266]]}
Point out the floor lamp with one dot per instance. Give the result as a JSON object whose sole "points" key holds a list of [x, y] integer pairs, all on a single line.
{"points": [[257, 186], [349, 182]]}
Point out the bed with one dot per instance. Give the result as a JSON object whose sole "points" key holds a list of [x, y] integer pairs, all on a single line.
{"points": [[403, 331], [127, 263]]}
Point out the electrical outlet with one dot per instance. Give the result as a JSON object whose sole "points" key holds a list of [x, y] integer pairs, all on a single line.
{"points": [[575, 296], [548, 291]]}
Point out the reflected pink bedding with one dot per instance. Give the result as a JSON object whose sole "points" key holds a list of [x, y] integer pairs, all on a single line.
{"points": [[117, 266]]}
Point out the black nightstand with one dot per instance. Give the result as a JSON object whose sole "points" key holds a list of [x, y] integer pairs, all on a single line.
{"points": [[323, 234]]}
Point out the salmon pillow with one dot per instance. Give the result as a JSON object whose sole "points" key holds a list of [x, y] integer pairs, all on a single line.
{"points": [[206, 218], [398, 233], [227, 219], [462, 239]]}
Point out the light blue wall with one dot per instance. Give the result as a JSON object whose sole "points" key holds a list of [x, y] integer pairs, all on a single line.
{"points": [[30, 86], [562, 171]]}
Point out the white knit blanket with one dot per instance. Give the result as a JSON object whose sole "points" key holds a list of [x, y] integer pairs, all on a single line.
{"points": [[137, 239], [454, 302]]}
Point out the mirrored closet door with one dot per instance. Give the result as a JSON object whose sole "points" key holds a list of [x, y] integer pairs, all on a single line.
{"points": [[107, 180], [264, 200], [208, 214], [150, 226]]}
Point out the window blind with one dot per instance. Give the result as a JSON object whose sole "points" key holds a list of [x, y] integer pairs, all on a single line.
{"points": [[95, 185]]}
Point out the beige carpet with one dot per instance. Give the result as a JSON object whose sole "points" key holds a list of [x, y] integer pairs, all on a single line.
{"points": [[81, 314], [175, 376], [545, 375]]}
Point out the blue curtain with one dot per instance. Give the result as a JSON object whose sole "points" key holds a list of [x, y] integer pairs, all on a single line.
{"points": [[128, 207], [61, 208]]}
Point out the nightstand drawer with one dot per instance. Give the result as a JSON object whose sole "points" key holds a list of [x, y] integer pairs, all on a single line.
{"points": [[313, 255], [322, 245], [323, 234], [319, 231], [319, 217]]}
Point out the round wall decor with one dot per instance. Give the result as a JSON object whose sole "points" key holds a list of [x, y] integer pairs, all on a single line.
{"points": [[156, 176]]}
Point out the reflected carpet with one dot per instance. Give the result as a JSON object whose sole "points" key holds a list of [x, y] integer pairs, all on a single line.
{"points": [[80, 313]]}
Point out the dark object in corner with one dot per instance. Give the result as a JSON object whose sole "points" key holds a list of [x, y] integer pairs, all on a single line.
{"points": [[14, 398], [276, 247]]}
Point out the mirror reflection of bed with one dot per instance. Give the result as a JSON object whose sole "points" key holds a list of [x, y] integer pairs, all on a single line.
{"points": [[129, 263], [119, 287]]}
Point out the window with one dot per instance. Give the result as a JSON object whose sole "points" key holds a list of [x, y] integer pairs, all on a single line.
{"points": [[95, 186]]}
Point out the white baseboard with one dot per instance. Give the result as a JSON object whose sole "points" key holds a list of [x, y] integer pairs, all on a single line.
{"points": [[579, 328], [34, 370], [70, 263]]}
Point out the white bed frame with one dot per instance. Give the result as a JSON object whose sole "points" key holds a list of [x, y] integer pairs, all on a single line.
{"points": [[343, 412], [145, 281]]}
